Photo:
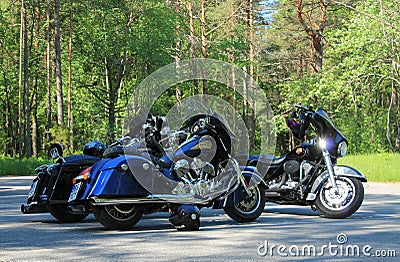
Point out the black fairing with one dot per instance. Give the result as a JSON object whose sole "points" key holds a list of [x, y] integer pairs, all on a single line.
{"points": [[327, 131], [221, 127]]}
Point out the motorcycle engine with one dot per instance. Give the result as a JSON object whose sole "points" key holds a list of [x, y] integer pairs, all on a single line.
{"points": [[195, 177], [298, 173], [195, 170], [292, 167]]}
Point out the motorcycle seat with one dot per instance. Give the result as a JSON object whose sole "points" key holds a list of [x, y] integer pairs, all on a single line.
{"points": [[268, 159]]}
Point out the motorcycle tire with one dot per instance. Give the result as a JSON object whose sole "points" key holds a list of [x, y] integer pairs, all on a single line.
{"points": [[325, 201], [61, 213], [121, 216], [250, 208]]}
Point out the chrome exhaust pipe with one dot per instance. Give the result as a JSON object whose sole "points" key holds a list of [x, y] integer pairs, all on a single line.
{"points": [[33, 208], [179, 199]]}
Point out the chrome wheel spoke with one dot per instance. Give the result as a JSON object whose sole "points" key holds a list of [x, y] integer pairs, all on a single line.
{"points": [[340, 200], [122, 212], [250, 203]]}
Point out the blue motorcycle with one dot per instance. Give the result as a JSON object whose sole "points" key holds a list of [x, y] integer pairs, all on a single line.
{"points": [[144, 175]]}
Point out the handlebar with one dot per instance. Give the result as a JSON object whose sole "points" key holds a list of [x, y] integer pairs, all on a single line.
{"points": [[307, 108], [120, 141]]}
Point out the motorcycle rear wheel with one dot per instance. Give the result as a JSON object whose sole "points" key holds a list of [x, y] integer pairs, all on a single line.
{"points": [[344, 204], [250, 208], [121, 216], [61, 213]]}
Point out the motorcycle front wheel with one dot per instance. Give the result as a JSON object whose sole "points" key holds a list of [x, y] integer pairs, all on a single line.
{"points": [[61, 213], [343, 203], [121, 216], [250, 208]]}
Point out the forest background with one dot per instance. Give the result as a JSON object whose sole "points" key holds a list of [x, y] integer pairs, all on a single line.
{"points": [[68, 68]]}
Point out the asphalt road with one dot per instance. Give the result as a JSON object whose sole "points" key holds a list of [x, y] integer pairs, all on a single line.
{"points": [[291, 233]]}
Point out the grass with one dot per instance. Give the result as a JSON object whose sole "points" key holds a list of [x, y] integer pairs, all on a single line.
{"points": [[376, 167], [19, 167]]}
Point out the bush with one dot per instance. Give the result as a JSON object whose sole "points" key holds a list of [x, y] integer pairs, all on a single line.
{"points": [[20, 167]]}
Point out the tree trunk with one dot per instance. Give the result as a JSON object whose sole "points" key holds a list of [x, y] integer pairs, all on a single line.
{"points": [[316, 39], [231, 59], [388, 121], [69, 108], [111, 105], [111, 117], [27, 126], [251, 120], [12, 146], [60, 98], [396, 118], [48, 65], [203, 43], [21, 55], [314, 30], [193, 47], [35, 146], [245, 99], [178, 54]]}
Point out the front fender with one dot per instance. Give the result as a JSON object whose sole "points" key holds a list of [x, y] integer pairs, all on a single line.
{"points": [[252, 177], [340, 171]]}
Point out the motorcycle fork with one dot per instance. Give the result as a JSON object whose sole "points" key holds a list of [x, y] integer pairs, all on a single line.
{"points": [[241, 177], [245, 185], [329, 165]]}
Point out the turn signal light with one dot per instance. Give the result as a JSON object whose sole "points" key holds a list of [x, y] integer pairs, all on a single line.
{"points": [[83, 176]]}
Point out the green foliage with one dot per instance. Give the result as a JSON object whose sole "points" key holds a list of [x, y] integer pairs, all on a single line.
{"points": [[22, 167], [128, 40], [356, 83]]}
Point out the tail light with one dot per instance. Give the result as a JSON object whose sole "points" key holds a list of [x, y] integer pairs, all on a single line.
{"points": [[83, 176]]}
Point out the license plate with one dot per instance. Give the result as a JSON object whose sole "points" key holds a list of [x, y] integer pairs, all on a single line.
{"points": [[33, 189], [74, 192]]}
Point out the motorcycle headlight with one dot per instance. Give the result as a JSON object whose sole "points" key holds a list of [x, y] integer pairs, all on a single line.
{"points": [[322, 143], [342, 149]]}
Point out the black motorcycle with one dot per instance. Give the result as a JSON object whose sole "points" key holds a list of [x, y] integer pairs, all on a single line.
{"points": [[51, 187], [309, 174]]}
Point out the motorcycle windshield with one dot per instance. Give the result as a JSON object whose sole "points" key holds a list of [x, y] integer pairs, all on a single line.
{"points": [[326, 130], [220, 123], [230, 127]]}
